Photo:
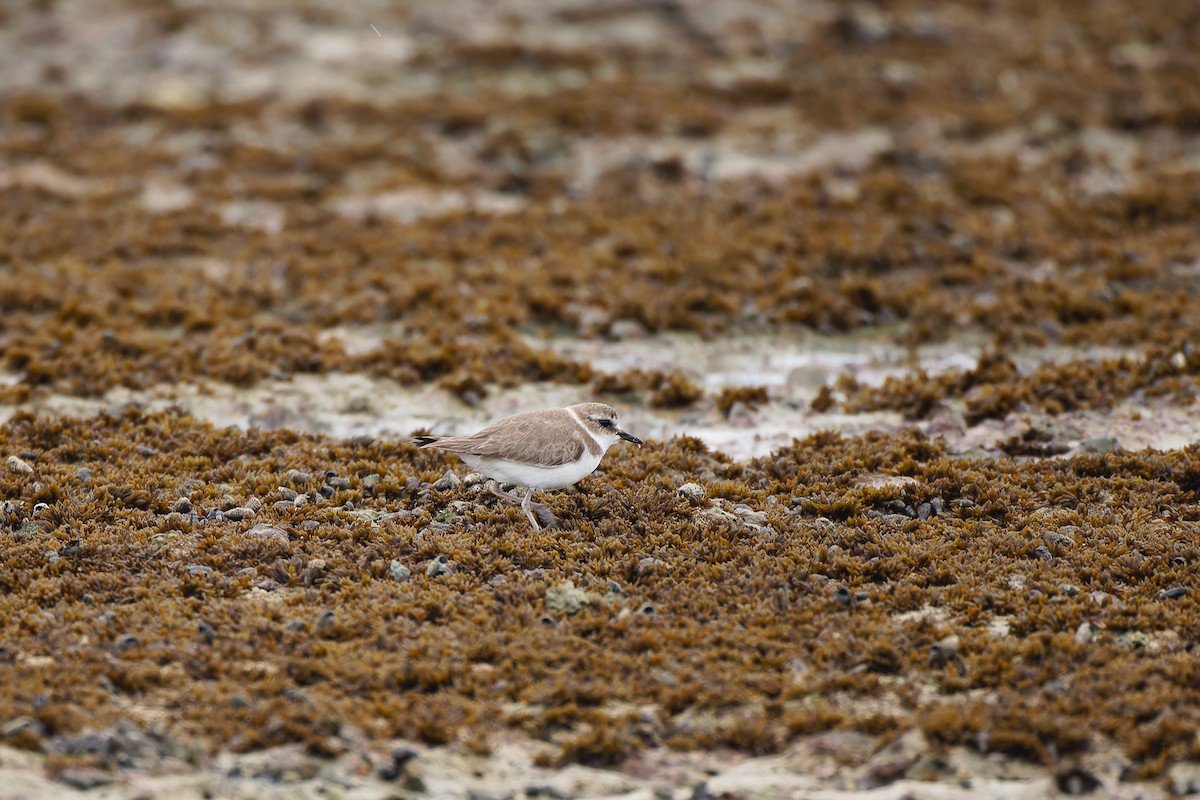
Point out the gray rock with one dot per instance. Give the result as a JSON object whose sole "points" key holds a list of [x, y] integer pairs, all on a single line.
{"points": [[893, 761], [369, 482], [1184, 779], [474, 479], [1064, 535], [567, 598], [85, 778], [1100, 444], [239, 513], [286, 493], [693, 492], [264, 531], [1042, 553], [447, 481], [937, 505], [297, 476], [142, 450], [399, 572], [83, 474], [183, 505]]}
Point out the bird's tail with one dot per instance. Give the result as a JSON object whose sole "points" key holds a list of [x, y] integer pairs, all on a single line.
{"points": [[423, 441]]}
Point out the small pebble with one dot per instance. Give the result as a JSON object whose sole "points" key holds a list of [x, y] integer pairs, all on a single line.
{"points": [[447, 482], [142, 450], [693, 492], [438, 566], [399, 572], [198, 570], [126, 642], [264, 531], [183, 505], [1100, 444], [1173, 593], [286, 493], [943, 651], [474, 479], [1042, 553], [924, 511], [254, 504], [239, 513], [83, 474], [297, 476], [369, 482], [18, 466], [300, 500]]}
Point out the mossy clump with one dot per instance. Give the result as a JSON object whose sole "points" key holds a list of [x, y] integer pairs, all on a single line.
{"points": [[243, 617]]}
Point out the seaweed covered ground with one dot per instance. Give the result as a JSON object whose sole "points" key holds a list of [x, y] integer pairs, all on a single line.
{"points": [[904, 296]]}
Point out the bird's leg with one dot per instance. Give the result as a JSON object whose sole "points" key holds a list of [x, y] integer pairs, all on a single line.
{"points": [[529, 511], [526, 505], [494, 488]]}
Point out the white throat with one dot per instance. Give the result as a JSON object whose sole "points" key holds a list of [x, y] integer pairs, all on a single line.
{"points": [[604, 445]]}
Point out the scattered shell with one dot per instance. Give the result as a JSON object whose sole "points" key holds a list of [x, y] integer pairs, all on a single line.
{"points": [[18, 466], [438, 566]]}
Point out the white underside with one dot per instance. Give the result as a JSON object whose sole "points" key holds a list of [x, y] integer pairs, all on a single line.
{"points": [[537, 477]]}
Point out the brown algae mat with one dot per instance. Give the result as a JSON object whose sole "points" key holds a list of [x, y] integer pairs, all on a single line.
{"points": [[247, 589], [199, 192]]}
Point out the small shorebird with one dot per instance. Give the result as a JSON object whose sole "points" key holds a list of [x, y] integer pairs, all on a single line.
{"points": [[550, 448]]}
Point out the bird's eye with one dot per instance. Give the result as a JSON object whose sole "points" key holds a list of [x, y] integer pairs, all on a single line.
{"points": [[605, 423]]}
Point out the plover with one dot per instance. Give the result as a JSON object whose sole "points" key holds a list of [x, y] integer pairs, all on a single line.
{"points": [[550, 448]]}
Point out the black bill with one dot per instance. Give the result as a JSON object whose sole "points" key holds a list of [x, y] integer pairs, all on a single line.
{"points": [[629, 437]]}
